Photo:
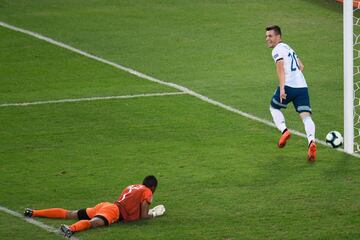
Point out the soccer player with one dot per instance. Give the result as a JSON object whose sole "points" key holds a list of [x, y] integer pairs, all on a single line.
{"points": [[292, 88], [133, 204]]}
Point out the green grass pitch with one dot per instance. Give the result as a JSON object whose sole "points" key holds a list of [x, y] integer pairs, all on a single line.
{"points": [[220, 174]]}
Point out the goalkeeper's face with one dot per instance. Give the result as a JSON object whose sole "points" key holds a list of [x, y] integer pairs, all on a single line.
{"points": [[272, 39]]}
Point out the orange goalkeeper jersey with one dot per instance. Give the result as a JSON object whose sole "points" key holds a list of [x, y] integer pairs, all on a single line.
{"points": [[130, 200]]}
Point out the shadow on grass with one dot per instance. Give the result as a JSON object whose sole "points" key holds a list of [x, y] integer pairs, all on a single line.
{"points": [[331, 5]]}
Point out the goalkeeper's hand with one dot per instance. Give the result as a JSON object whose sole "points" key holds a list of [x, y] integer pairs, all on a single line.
{"points": [[157, 211]]}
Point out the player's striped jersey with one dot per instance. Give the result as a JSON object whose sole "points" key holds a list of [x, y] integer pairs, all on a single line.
{"points": [[293, 76], [130, 201]]}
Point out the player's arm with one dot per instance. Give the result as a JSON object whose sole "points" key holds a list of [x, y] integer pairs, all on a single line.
{"points": [[281, 75], [147, 213], [145, 207], [301, 65]]}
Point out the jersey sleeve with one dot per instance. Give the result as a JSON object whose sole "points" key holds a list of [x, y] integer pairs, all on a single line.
{"points": [[147, 196], [277, 54]]}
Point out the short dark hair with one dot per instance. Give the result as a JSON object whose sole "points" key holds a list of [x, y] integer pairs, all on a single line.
{"points": [[150, 181], [276, 29]]}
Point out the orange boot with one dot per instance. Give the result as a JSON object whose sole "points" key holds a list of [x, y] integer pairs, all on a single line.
{"points": [[312, 152], [284, 137]]}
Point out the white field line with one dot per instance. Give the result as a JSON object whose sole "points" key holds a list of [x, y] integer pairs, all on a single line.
{"points": [[34, 222], [89, 99], [152, 79]]}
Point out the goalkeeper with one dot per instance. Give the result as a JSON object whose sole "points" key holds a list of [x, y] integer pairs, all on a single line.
{"points": [[133, 204]]}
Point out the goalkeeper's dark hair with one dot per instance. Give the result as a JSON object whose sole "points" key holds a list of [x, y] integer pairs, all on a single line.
{"points": [[276, 29], [150, 181]]}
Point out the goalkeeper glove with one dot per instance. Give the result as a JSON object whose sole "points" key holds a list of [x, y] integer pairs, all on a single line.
{"points": [[157, 211]]}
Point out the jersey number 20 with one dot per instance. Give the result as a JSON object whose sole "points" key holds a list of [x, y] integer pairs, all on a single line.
{"points": [[294, 63]]}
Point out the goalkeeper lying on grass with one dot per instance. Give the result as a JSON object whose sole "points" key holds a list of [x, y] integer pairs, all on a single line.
{"points": [[133, 204]]}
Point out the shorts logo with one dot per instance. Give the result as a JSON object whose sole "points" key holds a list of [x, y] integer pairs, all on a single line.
{"points": [[276, 56]]}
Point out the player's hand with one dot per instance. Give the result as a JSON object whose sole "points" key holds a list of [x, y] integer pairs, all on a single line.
{"points": [[282, 94], [157, 211]]}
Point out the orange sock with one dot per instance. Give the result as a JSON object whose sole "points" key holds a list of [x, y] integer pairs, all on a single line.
{"points": [[51, 213], [80, 226]]}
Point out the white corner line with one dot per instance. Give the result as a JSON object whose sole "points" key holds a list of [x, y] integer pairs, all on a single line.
{"points": [[152, 79], [24, 104], [34, 222]]}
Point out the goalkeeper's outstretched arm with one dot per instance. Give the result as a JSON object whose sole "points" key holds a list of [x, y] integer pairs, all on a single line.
{"points": [[147, 213]]}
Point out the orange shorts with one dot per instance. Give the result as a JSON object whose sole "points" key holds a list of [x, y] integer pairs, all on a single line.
{"points": [[109, 212]]}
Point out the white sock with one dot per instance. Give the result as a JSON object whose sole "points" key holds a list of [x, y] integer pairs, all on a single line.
{"points": [[278, 118], [309, 128]]}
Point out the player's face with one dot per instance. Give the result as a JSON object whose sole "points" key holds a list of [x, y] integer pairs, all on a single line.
{"points": [[272, 39]]}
